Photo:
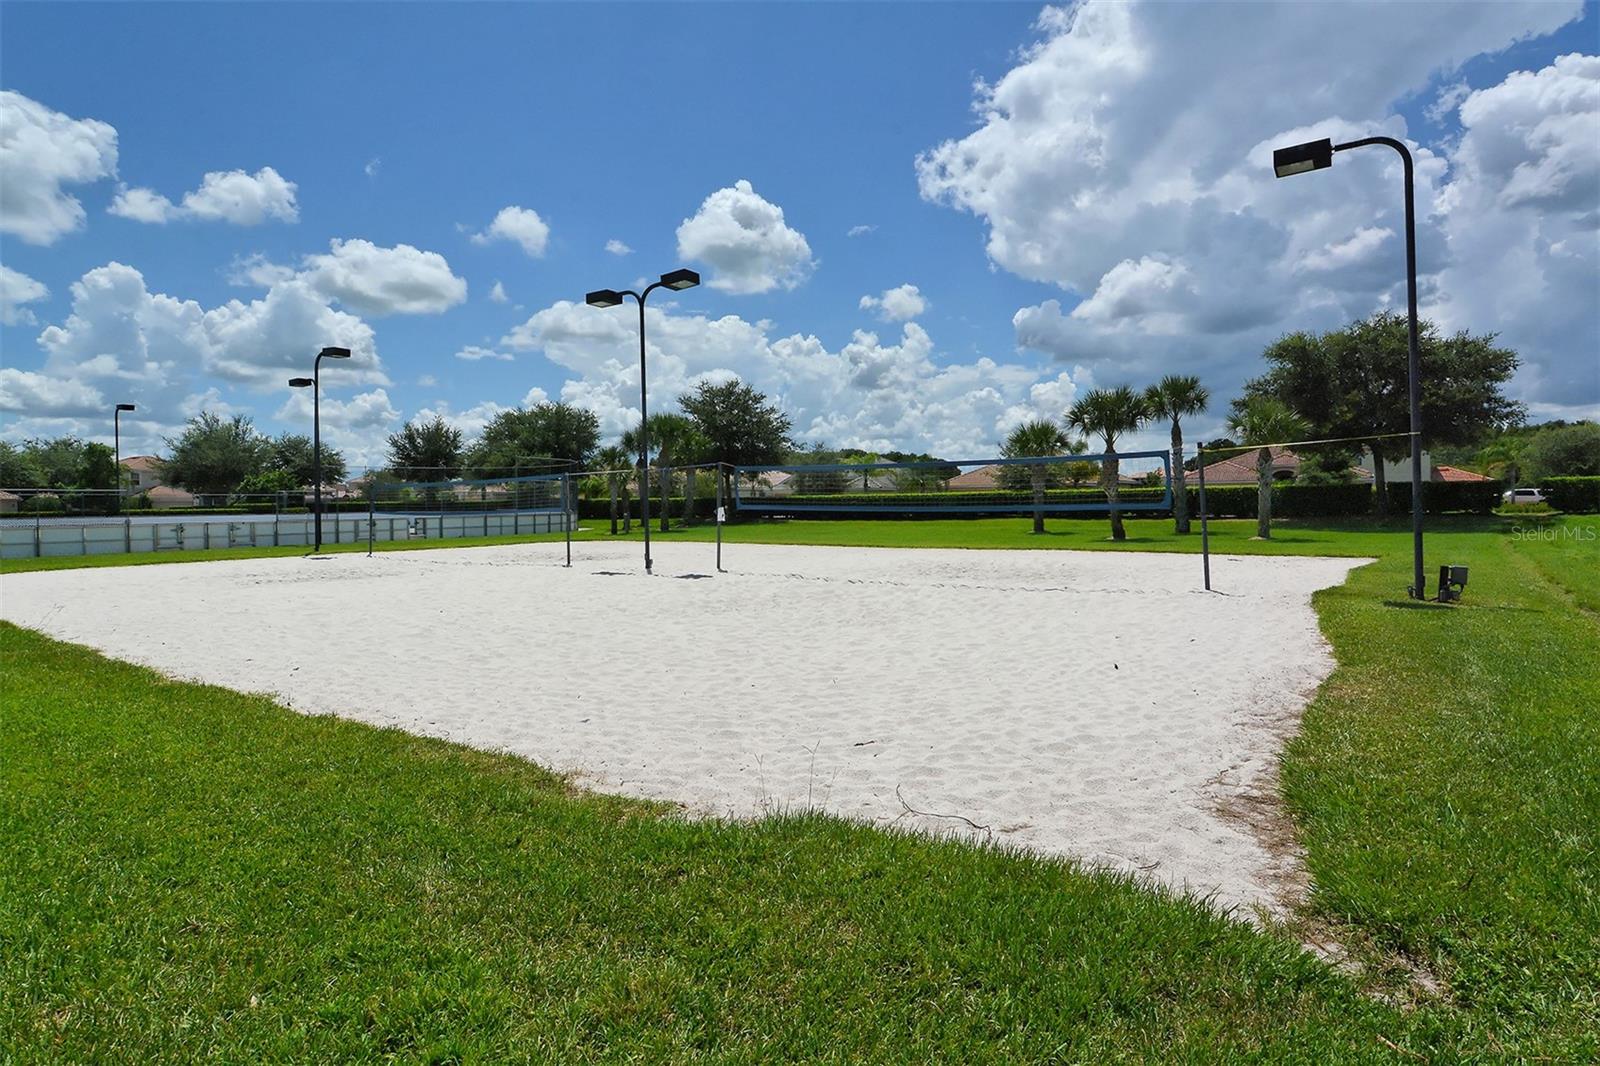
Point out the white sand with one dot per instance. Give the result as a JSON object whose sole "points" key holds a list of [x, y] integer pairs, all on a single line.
{"points": [[1089, 703]]}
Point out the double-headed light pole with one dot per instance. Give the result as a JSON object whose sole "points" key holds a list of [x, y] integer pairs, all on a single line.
{"points": [[1318, 155], [116, 443], [314, 383], [678, 280]]}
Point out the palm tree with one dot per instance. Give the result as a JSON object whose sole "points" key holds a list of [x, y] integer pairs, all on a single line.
{"points": [[1176, 397], [692, 449], [616, 462], [863, 461], [1036, 438], [1262, 420], [666, 433], [1108, 414]]}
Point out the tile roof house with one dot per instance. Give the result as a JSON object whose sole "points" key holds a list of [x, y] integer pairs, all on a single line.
{"points": [[144, 472], [9, 502], [1455, 473], [980, 479], [1240, 469]]}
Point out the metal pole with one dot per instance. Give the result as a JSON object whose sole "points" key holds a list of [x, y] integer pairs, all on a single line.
{"points": [[116, 437], [1414, 375], [316, 448], [566, 511], [372, 511], [644, 438], [1418, 588], [1205, 529], [718, 475]]}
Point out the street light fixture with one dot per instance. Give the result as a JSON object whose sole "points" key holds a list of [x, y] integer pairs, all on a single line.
{"points": [[315, 384], [677, 280], [1318, 155], [116, 445]]}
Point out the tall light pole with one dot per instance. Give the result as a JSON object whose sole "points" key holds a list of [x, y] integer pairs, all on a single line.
{"points": [[678, 280], [315, 383], [1318, 155], [116, 445]]}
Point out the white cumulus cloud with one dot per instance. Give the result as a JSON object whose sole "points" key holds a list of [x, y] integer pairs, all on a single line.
{"points": [[746, 242], [616, 247], [877, 392], [41, 151], [1125, 158], [385, 281], [899, 304], [16, 290], [520, 224], [223, 196], [472, 354]]}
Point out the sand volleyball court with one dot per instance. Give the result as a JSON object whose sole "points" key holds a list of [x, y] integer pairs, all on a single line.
{"points": [[1093, 704]]}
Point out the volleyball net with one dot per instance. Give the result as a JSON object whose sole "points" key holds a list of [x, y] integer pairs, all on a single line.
{"points": [[532, 494], [1137, 481]]}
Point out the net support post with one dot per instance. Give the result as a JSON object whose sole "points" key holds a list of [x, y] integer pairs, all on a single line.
{"points": [[566, 509], [1205, 529], [372, 513], [719, 517]]}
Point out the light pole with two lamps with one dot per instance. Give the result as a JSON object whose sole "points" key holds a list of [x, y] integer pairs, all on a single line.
{"points": [[116, 444], [1318, 155], [314, 383], [678, 280]]}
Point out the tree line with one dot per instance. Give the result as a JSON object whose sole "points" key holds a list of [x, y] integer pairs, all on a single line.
{"points": [[1345, 383]]}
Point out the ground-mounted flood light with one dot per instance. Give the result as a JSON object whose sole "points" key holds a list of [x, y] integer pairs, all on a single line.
{"points": [[1318, 155], [1452, 583], [676, 280]]}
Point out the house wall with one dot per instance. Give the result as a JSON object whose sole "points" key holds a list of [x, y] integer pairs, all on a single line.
{"points": [[1398, 471]]}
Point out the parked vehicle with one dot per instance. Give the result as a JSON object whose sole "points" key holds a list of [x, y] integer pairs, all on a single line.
{"points": [[1529, 495]]}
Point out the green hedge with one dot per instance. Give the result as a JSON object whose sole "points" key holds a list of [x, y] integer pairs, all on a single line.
{"points": [[1575, 495], [600, 509], [44, 503], [1445, 497]]}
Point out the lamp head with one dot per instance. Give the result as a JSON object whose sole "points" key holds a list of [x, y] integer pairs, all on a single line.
{"points": [[603, 298], [1313, 155], [300, 383], [126, 407], [679, 280], [334, 353]]}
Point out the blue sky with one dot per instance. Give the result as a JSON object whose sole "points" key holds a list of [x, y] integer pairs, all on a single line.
{"points": [[1101, 216]]}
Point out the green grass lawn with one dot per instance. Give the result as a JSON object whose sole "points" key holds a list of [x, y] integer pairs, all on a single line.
{"points": [[189, 872]]}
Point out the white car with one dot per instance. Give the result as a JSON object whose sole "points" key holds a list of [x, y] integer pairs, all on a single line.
{"points": [[1524, 496]]}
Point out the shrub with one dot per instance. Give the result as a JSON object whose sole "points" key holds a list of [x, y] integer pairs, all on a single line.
{"points": [[1326, 500], [1444, 497], [44, 503], [1575, 495]]}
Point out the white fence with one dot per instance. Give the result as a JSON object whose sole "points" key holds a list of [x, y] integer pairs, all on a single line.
{"points": [[45, 537]]}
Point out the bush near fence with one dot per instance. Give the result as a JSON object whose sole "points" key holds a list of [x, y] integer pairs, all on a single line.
{"points": [[1575, 495], [599, 509], [1445, 497]]}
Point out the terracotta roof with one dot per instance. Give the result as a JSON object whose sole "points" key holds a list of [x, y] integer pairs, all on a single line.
{"points": [[1240, 469], [142, 463], [1455, 473], [4, 495], [983, 477], [167, 496]]}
